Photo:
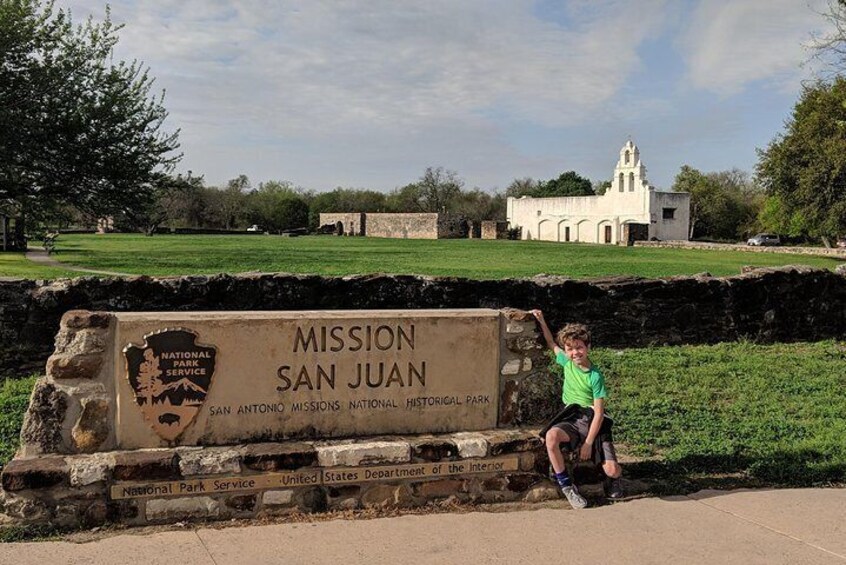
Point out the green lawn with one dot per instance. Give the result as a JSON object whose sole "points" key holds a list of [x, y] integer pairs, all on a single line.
{"points": [[768, 414], [175, 255], [16, 265]]}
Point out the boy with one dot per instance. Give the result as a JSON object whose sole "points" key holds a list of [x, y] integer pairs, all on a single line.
{"points": [[584, 387]]}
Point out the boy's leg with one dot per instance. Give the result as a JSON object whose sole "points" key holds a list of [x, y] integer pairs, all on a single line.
{"points": [[612, 469], [553, 439]]}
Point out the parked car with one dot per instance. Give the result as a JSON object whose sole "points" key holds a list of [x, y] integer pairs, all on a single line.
{"points": [[764, 239], [254, 227]]}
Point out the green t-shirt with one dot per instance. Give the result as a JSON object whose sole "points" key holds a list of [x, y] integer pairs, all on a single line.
{"points": [[580, 387]]}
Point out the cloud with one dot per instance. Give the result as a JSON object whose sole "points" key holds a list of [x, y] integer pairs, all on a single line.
{"points": [[728, 45]]}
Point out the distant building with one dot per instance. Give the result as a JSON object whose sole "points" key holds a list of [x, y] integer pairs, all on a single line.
{"points": [[629, 210], [401, 226]]}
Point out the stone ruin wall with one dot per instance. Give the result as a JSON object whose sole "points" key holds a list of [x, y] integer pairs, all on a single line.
{"points": [[353, 222], [766, 305], [494, 230], [403, 226]]}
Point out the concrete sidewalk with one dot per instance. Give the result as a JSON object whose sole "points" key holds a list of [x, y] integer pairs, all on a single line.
{"points": [[765, 526]]}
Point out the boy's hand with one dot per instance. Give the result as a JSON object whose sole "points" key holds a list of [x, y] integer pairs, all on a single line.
{"points": [[586, 452], [537, 314]]}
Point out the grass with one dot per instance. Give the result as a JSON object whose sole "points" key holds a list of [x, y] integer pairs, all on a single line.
{"points": [[204, 254], [16, 265], [14, 399], [766, 414]]}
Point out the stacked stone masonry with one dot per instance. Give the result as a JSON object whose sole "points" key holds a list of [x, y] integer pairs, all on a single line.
{"points": [[72, 490], [766, 305]]}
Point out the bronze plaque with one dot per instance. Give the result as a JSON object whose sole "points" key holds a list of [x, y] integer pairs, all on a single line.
{"points": [[170, 375]]}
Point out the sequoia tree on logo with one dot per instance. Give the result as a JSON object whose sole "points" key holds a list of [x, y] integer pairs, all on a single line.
{"points": [[170, 375]]}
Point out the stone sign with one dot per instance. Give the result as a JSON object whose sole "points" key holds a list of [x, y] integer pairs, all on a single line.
{"points": [[231, 377]]}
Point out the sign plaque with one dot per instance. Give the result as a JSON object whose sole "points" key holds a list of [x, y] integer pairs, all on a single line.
{"points": [[216, 378]]}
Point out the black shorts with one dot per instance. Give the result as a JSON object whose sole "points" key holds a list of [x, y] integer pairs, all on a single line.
{"points": [[577, 431]]}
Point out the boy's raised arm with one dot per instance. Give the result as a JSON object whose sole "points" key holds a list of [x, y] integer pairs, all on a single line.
{"points": [[547, 335]]}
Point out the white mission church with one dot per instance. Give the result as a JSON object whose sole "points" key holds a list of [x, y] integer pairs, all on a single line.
{"points": [[630, 210]]}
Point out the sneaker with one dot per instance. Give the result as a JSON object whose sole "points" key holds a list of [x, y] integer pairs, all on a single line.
{"points": [[613, 488], [576, 500]]}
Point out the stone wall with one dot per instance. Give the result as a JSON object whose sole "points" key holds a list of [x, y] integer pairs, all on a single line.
{"points": [[767, 305], [494, 230], [833, 252], [403, 226], [353, 223]]}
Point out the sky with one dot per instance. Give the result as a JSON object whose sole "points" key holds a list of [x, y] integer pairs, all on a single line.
{"points": [[368, 93]]}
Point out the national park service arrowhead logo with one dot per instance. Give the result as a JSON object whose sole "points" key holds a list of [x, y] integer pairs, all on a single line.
{"points": [[170, 375]]}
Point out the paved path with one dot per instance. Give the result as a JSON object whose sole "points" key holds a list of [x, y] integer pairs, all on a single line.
{"points": [[806, 526], [40, 256]]}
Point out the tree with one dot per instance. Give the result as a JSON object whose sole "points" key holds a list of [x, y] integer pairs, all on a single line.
{"points": [[567, 184], [805, 166], [76, 127], [439, 188], [601, 187], [290, 213], [830, 47], [526, 186], [723, 205], [167, 195]]}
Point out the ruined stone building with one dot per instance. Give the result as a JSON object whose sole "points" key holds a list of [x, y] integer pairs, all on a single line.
{"points": [[400, 225], [631, 209]]}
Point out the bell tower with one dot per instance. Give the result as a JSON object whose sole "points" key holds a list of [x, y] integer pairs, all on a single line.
{"points": [[630, 172]]}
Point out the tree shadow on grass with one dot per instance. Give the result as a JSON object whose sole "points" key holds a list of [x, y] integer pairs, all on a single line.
{"points": [[801, 468]]}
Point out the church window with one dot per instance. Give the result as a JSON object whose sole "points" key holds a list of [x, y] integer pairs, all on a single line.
{"points": [[669, 213], [628, 157], [631, 182], [621, 183]]}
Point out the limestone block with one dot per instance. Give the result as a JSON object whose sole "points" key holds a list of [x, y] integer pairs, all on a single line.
{"points": [[93, 426], [82, 366], [511, 367], [182, 508], [439, 489], [431, 449], [512, 441], [508, 402], [79, 319], [146, 465], [242, 502], [512, 328], [42, 426], [311, 499], [76, 342], [66, 515], [279, 456], [37, 473], [90, 469], [365, 453], [209, 461], [27, 509], [541, 492], [387, 496], [524, 343], [841, 269], [527, 365], [517, 315], [278, 498], [95, 514], [520, 482], [470, 445]]}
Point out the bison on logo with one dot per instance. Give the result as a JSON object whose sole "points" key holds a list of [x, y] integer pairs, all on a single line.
{"points": [[170, 375]]}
